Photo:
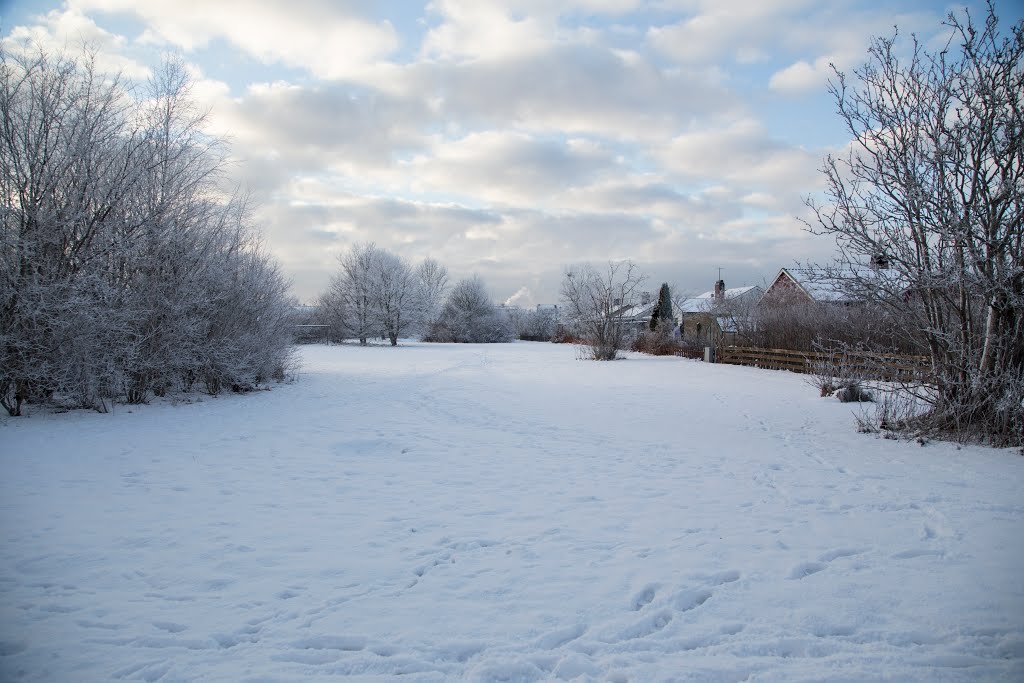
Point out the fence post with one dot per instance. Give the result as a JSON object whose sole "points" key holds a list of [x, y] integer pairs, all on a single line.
{"points": [[709, 354]]}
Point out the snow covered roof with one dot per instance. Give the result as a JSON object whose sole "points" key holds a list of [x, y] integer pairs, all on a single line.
{"points": [[704, 302], [636, 312], [820, 286], [837, 285]]}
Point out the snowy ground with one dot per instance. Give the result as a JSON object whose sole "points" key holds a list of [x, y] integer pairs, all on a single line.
{"points": [[504, 513]]}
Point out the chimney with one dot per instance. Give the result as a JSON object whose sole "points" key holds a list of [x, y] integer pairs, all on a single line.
{"points": [[720, 292]]}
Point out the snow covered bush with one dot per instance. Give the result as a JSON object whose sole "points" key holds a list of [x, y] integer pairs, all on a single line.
{"points": [[124, 269], [469, 316], [539, 325]]}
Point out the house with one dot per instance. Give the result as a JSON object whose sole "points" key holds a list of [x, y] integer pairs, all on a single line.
{"points": [[716, 316], [846, 285], [636, 318], [806, 285]]}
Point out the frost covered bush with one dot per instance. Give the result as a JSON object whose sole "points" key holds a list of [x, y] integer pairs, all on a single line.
{"points": [[125, 271], [469, 316]]}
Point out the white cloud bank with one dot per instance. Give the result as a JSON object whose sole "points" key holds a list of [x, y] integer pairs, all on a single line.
{"points": [[513, 138]]}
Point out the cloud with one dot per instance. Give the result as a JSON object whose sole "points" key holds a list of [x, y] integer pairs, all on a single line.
{"points": [[741, 30], [745, 156], [483, 30], [71, 31], [801, 76], [328, 39], [579, 89], [507, 167]]}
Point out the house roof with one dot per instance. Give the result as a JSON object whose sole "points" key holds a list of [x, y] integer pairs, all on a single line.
{"points": [[840, 285], [820, 286], [637, 312], [704, 302]]}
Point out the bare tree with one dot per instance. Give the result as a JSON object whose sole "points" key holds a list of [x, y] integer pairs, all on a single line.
{"points": [[932, 194], [595, 301]]}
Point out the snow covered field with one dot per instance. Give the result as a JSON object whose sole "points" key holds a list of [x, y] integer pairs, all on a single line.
{"points": [[504, 513]]}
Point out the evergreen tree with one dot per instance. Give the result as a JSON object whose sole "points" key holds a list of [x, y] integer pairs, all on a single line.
{"points": [[663, 311]]}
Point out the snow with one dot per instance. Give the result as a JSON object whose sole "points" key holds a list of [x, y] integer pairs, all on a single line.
{"points": [[706, 301], [504, 513]]}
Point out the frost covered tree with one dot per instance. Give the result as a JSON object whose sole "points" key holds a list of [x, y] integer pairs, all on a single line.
{"points": [[931, 193], [432, 279], [595, 301], [120, 256], [469, 316], [539, 324], [396, 294], [350, 297], [374, 292]]}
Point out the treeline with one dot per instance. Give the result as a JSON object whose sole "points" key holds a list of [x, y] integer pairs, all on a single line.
{"points": [[125, 268], [378, 294]]}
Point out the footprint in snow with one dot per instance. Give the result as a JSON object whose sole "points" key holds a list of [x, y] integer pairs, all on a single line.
{"points": [[558, 638], [644, 597], [911, 554], [806, 569], [169, 626], [692, 599], [839, 553], [720, 578], [647, 626], [346, 643]]}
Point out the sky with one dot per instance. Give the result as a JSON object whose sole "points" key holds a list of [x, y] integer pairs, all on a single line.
{"points": [[512, 138]]}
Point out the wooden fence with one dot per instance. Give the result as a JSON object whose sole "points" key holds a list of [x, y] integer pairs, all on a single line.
{"points": [[884, 366]]}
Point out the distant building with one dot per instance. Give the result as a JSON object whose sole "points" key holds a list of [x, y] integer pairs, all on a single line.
{"points": [[636, 319], [715, 317], [721, 298]]}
